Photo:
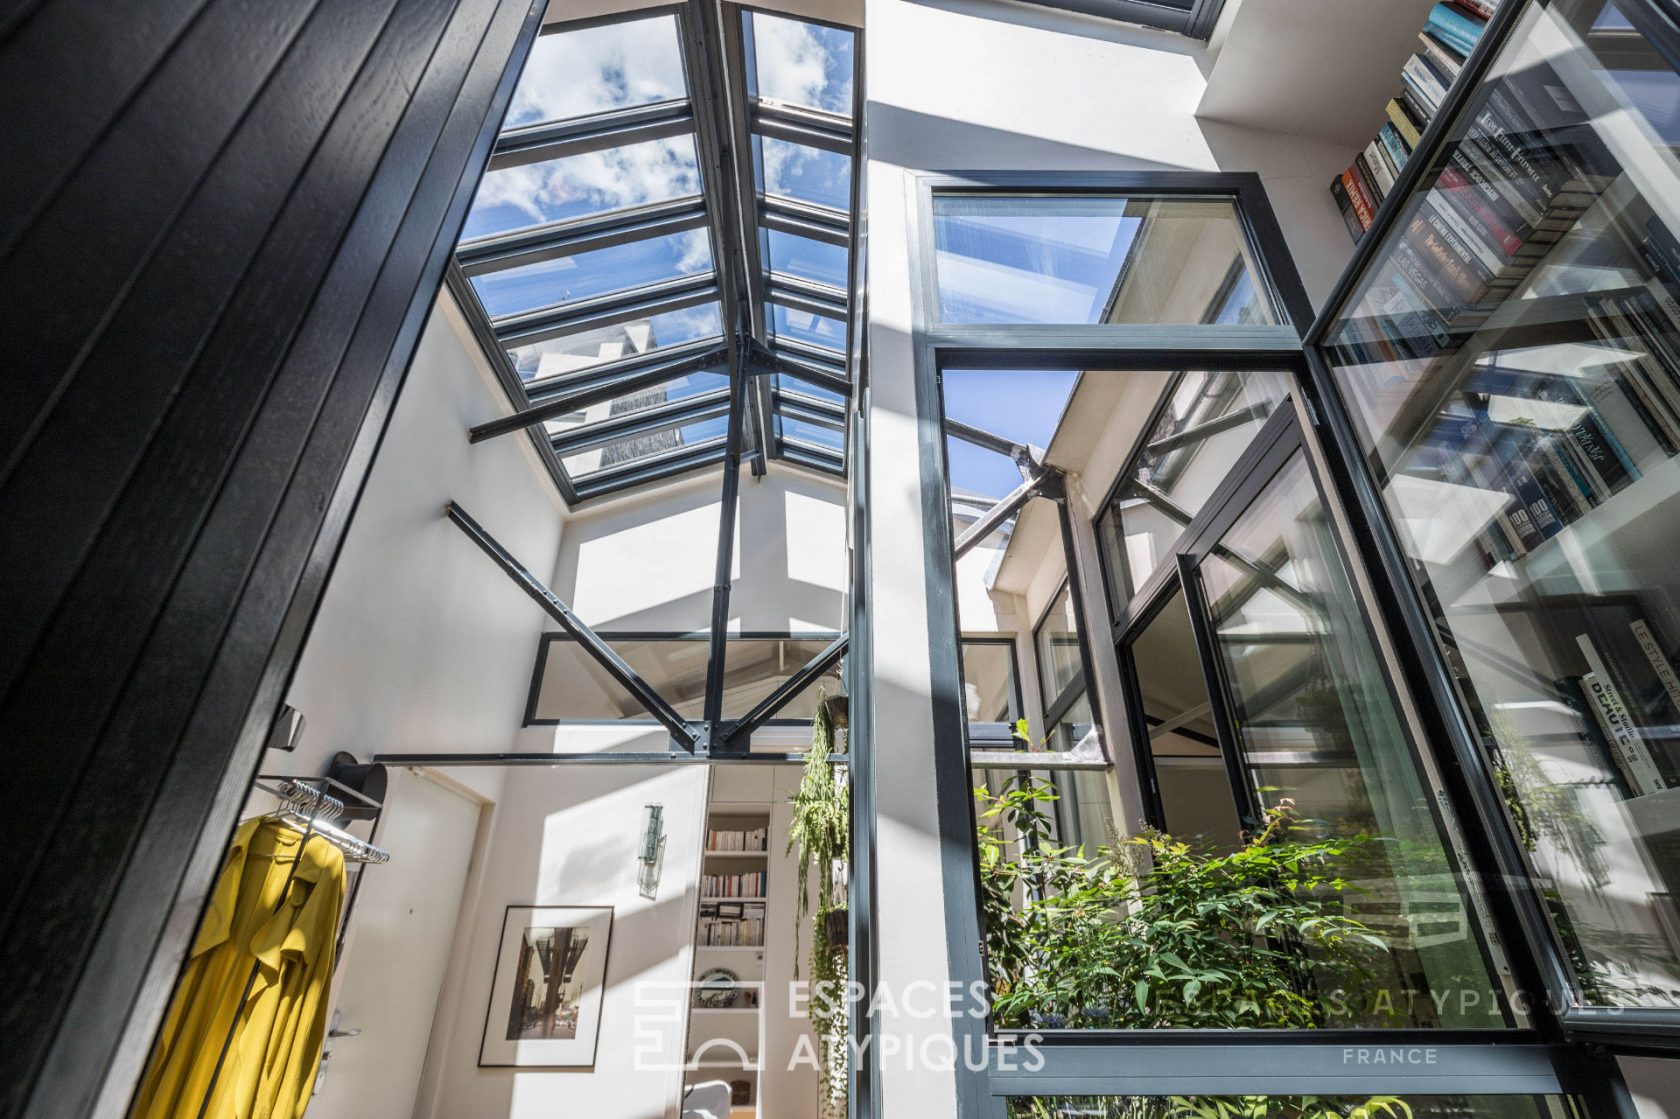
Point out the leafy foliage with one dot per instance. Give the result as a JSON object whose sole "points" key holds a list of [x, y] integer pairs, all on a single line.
{"points": [[1157, 933], [1215, 1107], [820, 833]]}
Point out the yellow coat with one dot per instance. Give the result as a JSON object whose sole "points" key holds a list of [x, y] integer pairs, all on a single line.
{"points": [[269, 1069]]}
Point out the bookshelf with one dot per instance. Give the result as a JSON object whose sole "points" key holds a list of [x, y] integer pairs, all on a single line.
{"points": [[727, 1042], [1450, 32], [1510, 357]]}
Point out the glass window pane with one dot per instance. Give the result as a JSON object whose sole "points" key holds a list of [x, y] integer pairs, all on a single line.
{"points": [[805, 258], [804, 174], [1319, 735], [594, 69], [1093, 259], [574, 687], [567, 279], [806, 327], [637, 447], [669, 392], [807, 432], [578, 186], [800, 63], [1206, 421], [1512, 361], [1190, 773], [1409, 1106], [781, 382], [572, 353], [1059, 662], [989, 685]]}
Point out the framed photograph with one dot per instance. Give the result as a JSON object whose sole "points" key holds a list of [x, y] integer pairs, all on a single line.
{"points": [[545, 998]]}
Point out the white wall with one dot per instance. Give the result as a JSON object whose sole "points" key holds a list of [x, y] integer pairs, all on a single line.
{"points": [[569, 836], [421, 644], [649, 563], [1654, 1083]]}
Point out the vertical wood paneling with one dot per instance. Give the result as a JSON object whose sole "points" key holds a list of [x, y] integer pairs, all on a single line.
{"points": [[241, 234]]}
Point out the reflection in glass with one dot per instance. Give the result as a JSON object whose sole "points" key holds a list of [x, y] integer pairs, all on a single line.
{"points": [[1317, 729], [803, 431], [585, 349], [583, 185], [807, 327], [573, 687], [1206, 420], [1512, 361], [989, 686], [665, 441], [581, 72], [1408, 1106], [638, 400], [1189, 770], [567, 279], [1059, 662], [1093, 259]]}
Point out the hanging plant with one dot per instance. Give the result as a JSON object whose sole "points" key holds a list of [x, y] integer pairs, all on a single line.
{"points": [[820, 835]]}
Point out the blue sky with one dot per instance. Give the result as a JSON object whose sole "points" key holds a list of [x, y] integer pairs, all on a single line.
{"points": [[1021, 405]]}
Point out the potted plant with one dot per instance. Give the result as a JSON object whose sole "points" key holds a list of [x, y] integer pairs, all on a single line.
{"points": [[819, 834]]}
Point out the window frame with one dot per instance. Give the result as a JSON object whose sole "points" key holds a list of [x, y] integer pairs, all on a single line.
{"points": [[1088, 1062], [1195, 22]]}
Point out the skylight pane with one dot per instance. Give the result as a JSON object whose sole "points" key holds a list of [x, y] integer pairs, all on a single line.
{"points": [[806, 432], [804, 173], [593, 70], [571, 353], [783, 383], [579, 186], [805, 258], [638, 447], [584, 275], [803, 326], [800, 63], [640, 400]]}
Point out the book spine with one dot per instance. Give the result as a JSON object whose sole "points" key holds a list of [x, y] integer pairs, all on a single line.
{"points": [[1440, 58], [1378, 168], [1338, 191], [1611, 710], [1454, 28], [1368, 180], [1362, 204], [1421, 80], [1403, 123], [1394, 145], [1659, 660]]}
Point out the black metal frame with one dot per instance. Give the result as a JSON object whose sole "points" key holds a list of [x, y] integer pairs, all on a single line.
{"points": [[1193, 18], [1476, 795], [1016, 696], [1145, 1062], [548, 640]]}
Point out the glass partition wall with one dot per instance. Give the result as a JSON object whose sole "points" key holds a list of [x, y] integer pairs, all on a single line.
{"points": [[1274, 853], [1509, 361]]}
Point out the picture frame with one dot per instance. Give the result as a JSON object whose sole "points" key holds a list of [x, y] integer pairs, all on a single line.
{"points": [[547, 986]]}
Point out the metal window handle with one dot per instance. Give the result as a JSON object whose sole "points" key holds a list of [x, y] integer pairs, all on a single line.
{"points": [[355, 1031]]}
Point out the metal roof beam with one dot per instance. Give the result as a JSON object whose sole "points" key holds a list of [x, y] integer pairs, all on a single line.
{"points": [[543, 142], [600, 231]]}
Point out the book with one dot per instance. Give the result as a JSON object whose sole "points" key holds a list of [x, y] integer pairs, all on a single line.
{"points": [[1378, 168], [1454, 28], [1440, 58], [1368, 180], [1477, 9], [1610, 708], [1659, 660], [1421, 80], [1404, 123], [1338, 191], [1363, 205], [1394, 145]]}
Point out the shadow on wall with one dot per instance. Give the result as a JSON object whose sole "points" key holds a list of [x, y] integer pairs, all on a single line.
{"points": [[921, 141], [1078, 24]]}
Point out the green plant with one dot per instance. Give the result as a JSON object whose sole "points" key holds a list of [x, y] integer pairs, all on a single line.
{"points": [[1213, 1107], [1155, 933], [820, 834]]}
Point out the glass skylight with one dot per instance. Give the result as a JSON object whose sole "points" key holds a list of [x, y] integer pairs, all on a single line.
{"points": [[592, 70], [583, 185], [593, 247]]}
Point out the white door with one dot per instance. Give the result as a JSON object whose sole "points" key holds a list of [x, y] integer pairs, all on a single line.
{"points": [[397, 950]]}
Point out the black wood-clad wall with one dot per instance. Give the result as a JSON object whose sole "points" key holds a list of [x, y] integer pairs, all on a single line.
{"points": [[222, 225]]}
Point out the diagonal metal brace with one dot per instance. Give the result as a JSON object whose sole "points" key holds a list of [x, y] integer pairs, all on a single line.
{"points": [[735, 735], [591, 641]]}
